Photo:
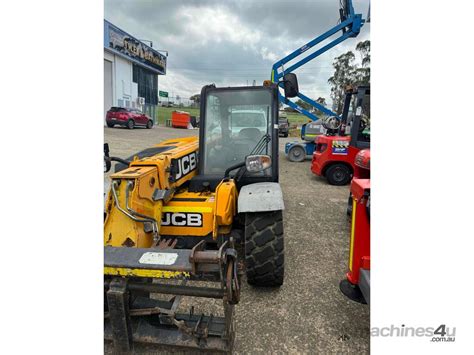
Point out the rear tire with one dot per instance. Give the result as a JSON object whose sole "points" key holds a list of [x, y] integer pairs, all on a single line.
{"points": [[296, 154], [285, 135], [149, 124], [338, 175], [264, 249], [349, 205], [110, 125]]}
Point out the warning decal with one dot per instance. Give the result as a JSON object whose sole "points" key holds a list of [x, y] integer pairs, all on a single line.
{"points": [[340, 147]]}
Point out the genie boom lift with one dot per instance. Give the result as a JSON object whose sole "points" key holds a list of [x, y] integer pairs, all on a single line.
{"points": [[350, 25]]}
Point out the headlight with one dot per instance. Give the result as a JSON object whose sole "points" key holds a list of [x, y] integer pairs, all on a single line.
{"points": [[256, 163]]}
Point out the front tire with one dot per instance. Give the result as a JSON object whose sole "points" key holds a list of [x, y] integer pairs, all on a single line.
{"points": [[338, 175], [264, 249], [296, 154], [130, 124], [149, 124], [110, 125]]}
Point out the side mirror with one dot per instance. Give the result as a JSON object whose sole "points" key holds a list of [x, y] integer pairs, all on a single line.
{"points": [[290, 85], [107, 163]]}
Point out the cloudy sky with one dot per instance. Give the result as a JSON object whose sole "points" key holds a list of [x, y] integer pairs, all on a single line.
{"points": [[233, 42]]}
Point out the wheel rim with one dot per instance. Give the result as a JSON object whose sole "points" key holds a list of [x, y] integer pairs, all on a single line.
{"points": [[149, 124], [130, 124], [339, 175], [296, 153]]}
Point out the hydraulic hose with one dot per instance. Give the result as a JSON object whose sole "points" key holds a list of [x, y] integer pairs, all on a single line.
{"points": [[129, 209], [120, 160], [133, 214]]}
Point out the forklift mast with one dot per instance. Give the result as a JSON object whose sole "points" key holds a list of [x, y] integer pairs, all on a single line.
{"points": [[360, 93], [350, 24], [358, 125]]}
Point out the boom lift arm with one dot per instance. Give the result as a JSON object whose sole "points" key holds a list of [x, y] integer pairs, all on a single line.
{"points": [[350, 25]]}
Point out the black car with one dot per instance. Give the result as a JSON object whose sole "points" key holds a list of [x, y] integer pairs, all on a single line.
{"points": [[283, 125]]}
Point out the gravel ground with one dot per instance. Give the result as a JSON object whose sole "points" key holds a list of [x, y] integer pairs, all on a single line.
{"points": [[308, 314]]}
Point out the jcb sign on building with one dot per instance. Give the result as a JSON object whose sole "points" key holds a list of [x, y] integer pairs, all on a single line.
{"points": [[128, 46]]}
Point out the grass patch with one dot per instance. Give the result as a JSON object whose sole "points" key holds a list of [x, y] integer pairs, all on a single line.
{"points": [[294, 132], [297, 118]]}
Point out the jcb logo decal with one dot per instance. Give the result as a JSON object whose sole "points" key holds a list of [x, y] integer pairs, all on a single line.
{"points": [[182, 219], [185, 165]]}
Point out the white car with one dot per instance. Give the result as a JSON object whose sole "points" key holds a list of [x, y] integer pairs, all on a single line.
{"points": [[248, 119]]}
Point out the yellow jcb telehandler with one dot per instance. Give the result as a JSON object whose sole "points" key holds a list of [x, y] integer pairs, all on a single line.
{"points": [[185, 210]]}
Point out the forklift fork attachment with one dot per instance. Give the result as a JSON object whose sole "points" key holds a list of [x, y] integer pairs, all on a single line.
{"points": [[132, 317]]}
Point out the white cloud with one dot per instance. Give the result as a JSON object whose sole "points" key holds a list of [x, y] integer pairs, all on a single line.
{"points": [[178, 84], [268, 55], [231, 43], [215, 25]]}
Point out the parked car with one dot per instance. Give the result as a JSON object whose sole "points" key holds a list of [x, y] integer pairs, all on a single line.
{"points": [[283, 124], [127, 117], [248, 119], [251, 124]]}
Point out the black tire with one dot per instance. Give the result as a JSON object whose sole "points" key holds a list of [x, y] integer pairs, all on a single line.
{"points": [[264, 249], [149, 124], [110, 125], [349, 206], [296, 154], [130, 124], [285, 135], [338, 174]]}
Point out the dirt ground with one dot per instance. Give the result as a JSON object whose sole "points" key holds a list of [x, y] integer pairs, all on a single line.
{"points": [[308, 314]]}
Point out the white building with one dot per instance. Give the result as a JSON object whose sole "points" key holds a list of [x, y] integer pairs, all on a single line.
{"points": [[131, 70]]}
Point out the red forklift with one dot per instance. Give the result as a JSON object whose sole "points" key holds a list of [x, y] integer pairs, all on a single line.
{"points": [[356, 284], [336, 150]]}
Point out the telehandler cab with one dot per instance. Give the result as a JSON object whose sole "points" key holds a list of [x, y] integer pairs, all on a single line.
{"points": [[183, 212]]}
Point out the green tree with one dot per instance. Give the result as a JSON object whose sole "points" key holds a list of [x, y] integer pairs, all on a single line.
{"points": [[322, 101], [364, 50], [363, 73], [344, 74], [303, 104], [310, 108], [196, 98]]}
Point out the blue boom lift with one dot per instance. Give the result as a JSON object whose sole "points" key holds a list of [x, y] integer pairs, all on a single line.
{"points": [[350, 24]]}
